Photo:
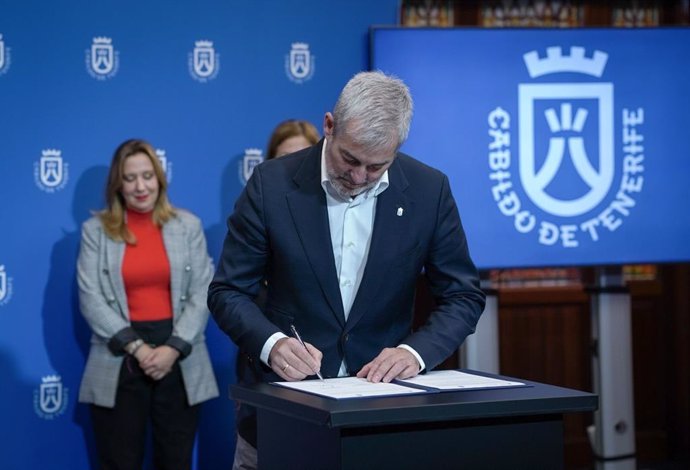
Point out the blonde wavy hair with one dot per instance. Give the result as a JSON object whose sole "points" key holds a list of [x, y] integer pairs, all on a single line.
{"points": [[291, 128], [113, 216]]}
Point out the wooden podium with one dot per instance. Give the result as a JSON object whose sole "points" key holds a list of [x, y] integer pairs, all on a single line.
{"points": [[509, 428]]}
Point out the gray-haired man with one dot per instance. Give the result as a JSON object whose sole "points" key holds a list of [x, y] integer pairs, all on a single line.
{"points": [[341, 231]]}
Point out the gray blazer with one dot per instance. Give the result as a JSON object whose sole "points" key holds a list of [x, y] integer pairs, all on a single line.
{"points": [[103, 303]]}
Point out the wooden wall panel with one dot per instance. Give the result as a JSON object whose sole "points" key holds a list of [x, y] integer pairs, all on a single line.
{"points": [[676, 309], [545, 336]]}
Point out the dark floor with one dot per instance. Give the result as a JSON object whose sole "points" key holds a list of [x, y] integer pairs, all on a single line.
{"points": [[662, 466], [652, 466]]}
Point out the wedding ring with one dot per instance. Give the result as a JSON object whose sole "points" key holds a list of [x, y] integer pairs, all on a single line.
{"points": [[286, 367]]}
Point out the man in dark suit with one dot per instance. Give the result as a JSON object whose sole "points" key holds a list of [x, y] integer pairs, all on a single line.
{"points": [[341, 231]]}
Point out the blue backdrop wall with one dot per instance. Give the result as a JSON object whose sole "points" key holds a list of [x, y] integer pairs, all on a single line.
{"points": [[205, 82]]}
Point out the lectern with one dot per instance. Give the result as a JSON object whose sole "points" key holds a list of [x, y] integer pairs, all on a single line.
{"points": [[483, 429]]}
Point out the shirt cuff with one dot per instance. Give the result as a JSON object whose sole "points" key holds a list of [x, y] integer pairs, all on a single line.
{"points": [[122, 338], [183, 347], [268, 345], [422, 366]]}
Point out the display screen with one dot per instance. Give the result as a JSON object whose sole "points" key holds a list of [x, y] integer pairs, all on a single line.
{"points": [[562, 147]]}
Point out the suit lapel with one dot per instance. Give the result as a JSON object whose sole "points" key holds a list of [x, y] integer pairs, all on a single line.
{"points": [[173, 240], [310, 216], [393, 218], [114, 254]]}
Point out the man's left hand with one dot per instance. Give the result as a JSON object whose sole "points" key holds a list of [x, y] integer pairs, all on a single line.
{"points": [[391, 363]]}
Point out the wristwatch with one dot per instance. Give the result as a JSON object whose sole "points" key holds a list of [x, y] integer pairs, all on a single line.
{"points": [[132, 347]]}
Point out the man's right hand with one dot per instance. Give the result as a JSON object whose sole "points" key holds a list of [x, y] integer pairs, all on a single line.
{"points": [[292, 362]]}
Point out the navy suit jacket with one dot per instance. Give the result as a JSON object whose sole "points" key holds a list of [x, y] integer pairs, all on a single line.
{"points": [[279, 231]]}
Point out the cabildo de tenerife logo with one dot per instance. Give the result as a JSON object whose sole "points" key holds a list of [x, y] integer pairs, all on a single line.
{"points": [[571, 187], [5, 58], [300, 63], [51, 171], [51, 397], [165, 163], [102, 59], [204, 62], [252, 157], [5, 286]]}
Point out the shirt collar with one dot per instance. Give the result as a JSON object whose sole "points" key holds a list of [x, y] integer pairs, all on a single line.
{"points": [[327, 186]]}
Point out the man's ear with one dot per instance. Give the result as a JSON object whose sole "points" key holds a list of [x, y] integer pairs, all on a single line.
{"points": [[328, 125]]}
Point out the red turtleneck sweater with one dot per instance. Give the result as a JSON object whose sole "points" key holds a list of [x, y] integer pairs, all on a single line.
{"points": [[146, 270]]}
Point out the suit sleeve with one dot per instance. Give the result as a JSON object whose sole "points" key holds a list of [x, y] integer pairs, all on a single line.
{"points": [[97, 305], [190, 322], [454, 283], [240, 271]]}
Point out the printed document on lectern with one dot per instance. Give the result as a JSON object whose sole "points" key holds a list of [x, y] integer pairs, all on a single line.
{"points": [[349, 387], [432, 382], [448, 380]]}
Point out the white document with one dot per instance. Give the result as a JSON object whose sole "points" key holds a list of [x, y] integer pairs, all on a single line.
{"points": [[456, 380], [349, 387]]}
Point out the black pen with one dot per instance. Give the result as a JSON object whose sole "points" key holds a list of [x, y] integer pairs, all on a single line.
{"points": [[299, 338]]}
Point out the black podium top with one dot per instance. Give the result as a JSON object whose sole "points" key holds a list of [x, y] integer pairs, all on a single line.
{"points": [[538, 399]]}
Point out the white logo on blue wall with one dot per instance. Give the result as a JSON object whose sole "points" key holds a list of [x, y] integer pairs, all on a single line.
{"points": [[102, 59], [300, 63], [567, 156], [204, 61], [566, 125], [5, 286], [252, 157], [51, 171], [165, 163], [50, 399], [5, 57]]}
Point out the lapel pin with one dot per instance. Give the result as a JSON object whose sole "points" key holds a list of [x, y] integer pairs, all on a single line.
{"points": [[400, 212]]}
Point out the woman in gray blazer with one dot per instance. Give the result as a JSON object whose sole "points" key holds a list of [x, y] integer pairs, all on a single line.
{"points": [[143, 273]]}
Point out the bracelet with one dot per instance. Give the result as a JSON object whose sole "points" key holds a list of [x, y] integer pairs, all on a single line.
{"points": [[134, 346]]}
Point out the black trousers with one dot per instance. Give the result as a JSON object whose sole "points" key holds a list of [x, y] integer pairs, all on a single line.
{"points": [[121, 431]]}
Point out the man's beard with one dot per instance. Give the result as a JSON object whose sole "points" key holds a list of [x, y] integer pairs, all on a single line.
{"points": [[346, 192]]}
